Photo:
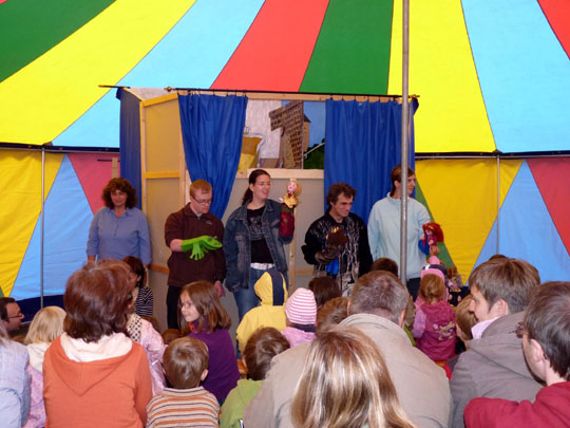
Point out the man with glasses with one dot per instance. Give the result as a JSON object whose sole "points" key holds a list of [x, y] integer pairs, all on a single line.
{"points": [[180, 232], [11, 314]]}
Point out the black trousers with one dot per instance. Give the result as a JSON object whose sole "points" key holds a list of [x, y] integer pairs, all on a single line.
{"points": [[172, 306]]}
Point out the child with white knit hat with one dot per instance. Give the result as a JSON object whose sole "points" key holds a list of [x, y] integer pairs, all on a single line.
{"points": [[301, 312]]}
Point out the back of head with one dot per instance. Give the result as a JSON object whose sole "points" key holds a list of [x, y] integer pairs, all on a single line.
{"points": [[465, 319], [301, 308], [511, 280], [332, 313], [46, 326], [324, 288], [547, 320], [97, 300], [432, 288], [379, 293], [384, 263], [260, 349], [271, 288], [184, 362], [213, 315], [345, 383]]}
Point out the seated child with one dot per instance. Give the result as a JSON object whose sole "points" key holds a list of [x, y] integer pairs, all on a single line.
{"points": [[143, 293], [271, 289], [46, 326], [301, 312], [324, 288], [546, 346], [332, 313], [184, 402], [261, 347], [434, 325], [206, 319], [170, 334]]}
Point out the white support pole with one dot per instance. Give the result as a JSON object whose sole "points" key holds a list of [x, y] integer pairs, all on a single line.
{"points": [[405, 129], [42, 229]]}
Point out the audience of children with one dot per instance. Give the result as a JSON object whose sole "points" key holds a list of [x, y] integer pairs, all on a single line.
{"points": [[94, 375], [301, 312], [205, 318], [271, 289], [345, 383], [434, 324], [143, 294], [324, 288], [261, 347], [546, 345], [184, 402], [14, 379], [46, 326], [332, 313]]}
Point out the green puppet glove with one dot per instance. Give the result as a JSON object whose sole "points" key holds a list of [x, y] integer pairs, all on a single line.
{"points": [[200, 245]]}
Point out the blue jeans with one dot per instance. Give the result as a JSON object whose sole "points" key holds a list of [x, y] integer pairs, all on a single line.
{"points": [[246, 298]]}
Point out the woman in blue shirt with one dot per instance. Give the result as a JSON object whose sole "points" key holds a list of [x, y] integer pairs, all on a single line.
{"points": [[119, 229]]}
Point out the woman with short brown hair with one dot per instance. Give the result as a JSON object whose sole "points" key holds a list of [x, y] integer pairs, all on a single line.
{"points": [[119, 229], [94, 374]]}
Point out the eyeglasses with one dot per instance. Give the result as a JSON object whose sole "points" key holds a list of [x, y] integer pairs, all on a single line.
{"points": [[202, 201]]}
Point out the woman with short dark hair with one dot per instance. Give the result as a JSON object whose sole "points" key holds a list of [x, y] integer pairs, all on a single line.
{"points": [[119, 229], [94, 374]]}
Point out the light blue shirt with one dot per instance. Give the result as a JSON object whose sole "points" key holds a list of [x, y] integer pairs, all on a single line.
{"points": [[384, 232], [14, 384], [112, 237]]}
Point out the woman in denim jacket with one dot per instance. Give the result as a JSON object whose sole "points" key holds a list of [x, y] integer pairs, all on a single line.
{"points": [[253, 241]]}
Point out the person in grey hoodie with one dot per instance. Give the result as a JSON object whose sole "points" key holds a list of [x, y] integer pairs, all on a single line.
{"points": [[494, 365], [377, 308]]}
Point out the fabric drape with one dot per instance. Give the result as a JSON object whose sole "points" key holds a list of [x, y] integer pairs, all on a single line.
{"points": [[363, 144], [212, 130], [130, 138]]}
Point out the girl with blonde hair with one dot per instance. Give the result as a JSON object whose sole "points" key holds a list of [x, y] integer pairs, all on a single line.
{"points": [[46, 326], [345, 383]]}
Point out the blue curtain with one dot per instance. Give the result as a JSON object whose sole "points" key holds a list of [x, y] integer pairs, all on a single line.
{"points": [[130, 140], [212, 130], [363, 144]]}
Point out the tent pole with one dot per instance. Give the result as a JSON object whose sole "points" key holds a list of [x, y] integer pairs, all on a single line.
{"points": [[498, 249], [404, 176], [42, 230]]}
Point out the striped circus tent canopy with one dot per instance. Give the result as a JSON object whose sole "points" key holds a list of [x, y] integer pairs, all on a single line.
{"points": [[492, 76]]}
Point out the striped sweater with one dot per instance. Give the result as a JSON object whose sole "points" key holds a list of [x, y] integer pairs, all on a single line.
{"points": [[194, 407]]}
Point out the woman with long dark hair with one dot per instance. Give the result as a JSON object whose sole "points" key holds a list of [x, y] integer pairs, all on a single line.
{"points": [[254, 239]]}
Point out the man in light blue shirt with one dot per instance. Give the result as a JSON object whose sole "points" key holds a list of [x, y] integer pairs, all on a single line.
{"points": [[384, 228]]}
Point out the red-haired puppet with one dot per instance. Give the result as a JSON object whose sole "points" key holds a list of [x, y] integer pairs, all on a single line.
{"points": [[433, 234]]}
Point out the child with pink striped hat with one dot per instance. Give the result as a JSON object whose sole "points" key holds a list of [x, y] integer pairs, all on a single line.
{"points": [[301, 313]]}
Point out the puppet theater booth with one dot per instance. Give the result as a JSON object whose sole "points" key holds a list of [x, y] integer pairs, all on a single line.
{"points": [[487, 203], [169, 136]]}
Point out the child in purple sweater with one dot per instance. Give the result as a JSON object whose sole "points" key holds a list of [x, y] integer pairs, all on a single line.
{"points": [[204, 318]]}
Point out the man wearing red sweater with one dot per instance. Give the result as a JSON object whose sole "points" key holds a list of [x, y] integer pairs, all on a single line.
{"points": [[546, 346]]}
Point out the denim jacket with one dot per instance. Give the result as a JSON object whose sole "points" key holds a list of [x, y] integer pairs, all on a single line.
{"points": [[237, 244]]}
